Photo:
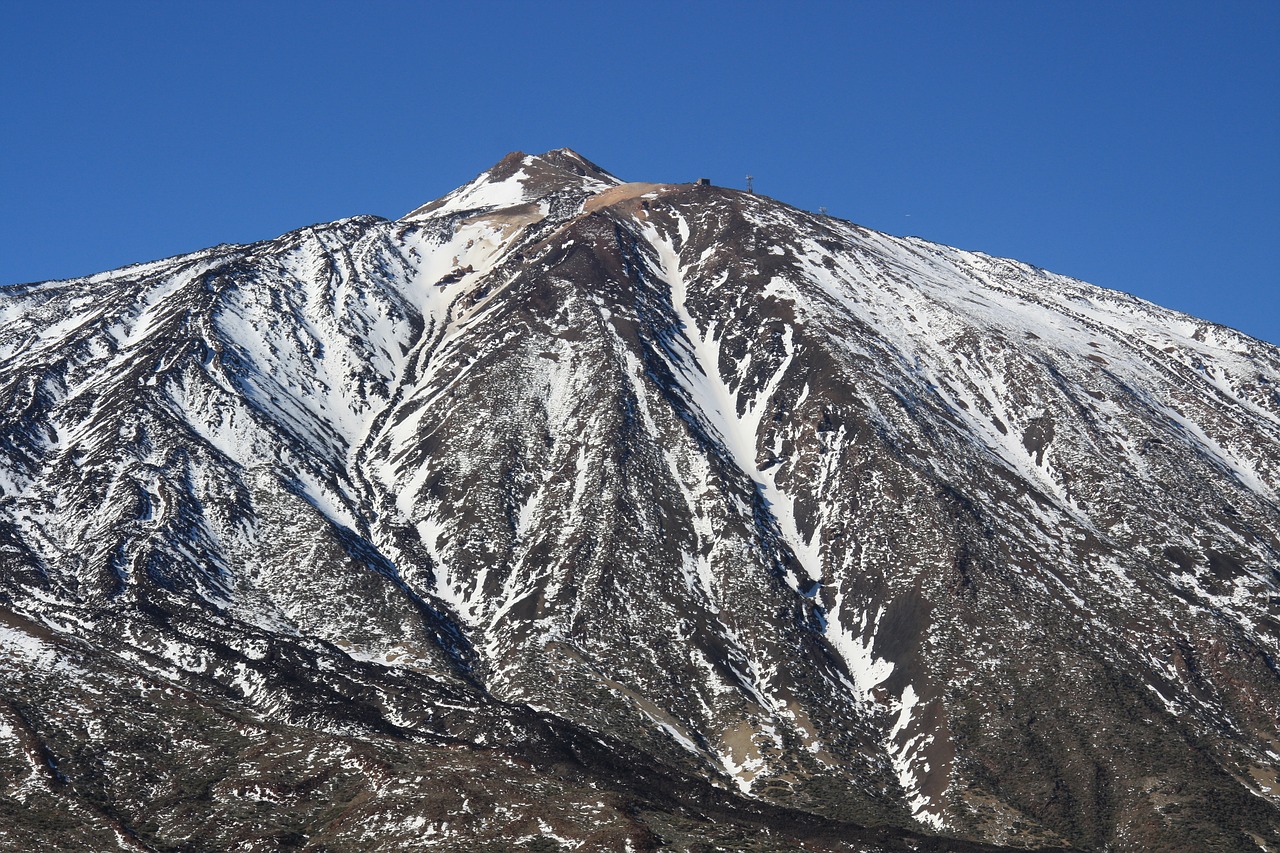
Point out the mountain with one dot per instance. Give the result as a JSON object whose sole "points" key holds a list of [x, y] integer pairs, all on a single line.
{"points": [[568, 513]]}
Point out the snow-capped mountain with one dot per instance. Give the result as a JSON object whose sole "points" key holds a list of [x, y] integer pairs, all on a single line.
{"points": [[616, 516]]}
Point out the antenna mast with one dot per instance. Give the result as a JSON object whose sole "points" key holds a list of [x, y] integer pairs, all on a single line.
{"points": [[749, 188]]}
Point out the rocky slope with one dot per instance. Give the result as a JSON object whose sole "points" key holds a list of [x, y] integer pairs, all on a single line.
{"points": [[571, 513]]}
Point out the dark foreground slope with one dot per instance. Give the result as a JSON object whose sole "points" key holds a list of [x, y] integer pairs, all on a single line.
{"points": [[615, 516]]}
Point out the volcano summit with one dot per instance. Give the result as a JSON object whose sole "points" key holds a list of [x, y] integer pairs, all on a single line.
{"points": [[568, 513]]}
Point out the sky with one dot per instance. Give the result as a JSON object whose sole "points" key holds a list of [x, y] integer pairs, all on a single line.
{"points": [[1133, 145]]}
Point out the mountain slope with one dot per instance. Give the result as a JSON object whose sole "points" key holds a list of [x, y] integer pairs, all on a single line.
{"points": [[717, 512]]}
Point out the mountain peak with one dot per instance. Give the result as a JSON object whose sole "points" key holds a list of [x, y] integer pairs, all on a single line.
{"points": [[519, 178], [566, 159], [660, 515]]}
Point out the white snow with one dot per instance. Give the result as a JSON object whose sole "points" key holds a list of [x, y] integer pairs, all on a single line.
{"points": [[737, 425], [483, 192]]}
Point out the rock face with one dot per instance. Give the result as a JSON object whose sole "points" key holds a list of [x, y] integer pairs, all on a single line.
{"points": [[565, 513]]}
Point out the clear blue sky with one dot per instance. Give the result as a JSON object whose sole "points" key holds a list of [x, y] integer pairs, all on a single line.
{"points": [[1134, 145]]}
